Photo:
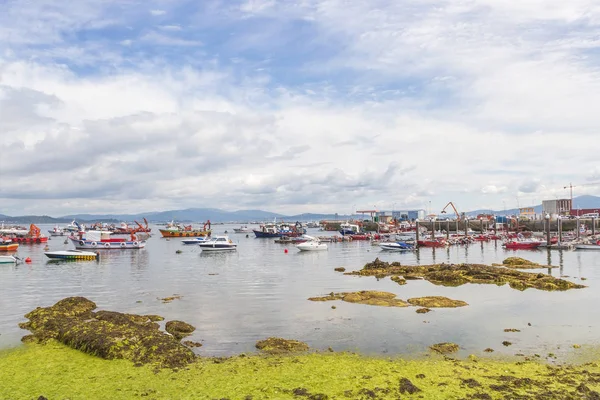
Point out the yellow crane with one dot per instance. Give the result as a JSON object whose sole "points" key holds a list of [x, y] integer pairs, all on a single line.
{"points": [[458, 215]]}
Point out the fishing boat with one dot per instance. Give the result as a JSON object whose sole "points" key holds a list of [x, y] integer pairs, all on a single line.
{"points": [[521, 244], [396, 246], [101, 240], [177, 230], [56, 231], [33, 235], [311, 244], [432, 243], [195, 240], [267, 231], [8, 260], [242, 229], [125, 229], [349, 229], [290, 240], [72, 255], [218, 243]]}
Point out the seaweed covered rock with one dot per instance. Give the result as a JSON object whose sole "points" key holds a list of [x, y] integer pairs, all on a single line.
{"points": [[106, 334], [399, 280], [436, 302], [179, 329], [274, 345], [518, 262], [445, 348], [460, 274], [369, 297]]}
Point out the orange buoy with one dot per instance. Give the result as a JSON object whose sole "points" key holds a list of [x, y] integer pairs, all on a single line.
{"points": [[28, 260]]}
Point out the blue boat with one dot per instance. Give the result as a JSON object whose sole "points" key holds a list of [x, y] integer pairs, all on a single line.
{"points": [[397, 246], [349, 229]]}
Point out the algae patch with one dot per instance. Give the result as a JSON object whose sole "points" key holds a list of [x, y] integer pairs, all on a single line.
{"points": [[179, 329], [460, 274], [170, 298], [436, 302], [445, 348], [274, 345], [369, 297], [521, 263], [106, 334]]}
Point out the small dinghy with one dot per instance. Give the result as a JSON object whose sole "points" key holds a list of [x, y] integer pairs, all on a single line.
{"points": [[72, 255]]}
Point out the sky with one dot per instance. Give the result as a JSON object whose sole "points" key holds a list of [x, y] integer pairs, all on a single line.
{"points": [[128, 106]]}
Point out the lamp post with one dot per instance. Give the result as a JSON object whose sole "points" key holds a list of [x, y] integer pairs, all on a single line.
{"points": [[466, 227], [559, 222], [433, 228], [547, 218], [417, 230], [578, 226]]}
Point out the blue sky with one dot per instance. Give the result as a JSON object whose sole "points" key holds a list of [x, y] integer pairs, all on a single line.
{"points": [[296, 106]]}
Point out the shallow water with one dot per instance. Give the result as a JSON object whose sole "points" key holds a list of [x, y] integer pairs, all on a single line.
{"points": [[235, 299]]}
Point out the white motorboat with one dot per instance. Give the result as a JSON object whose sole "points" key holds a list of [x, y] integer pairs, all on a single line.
{"points": [[218, 243], [396, 246], [590, 246], [195, 240], [8, 260], [56, 231], [312, 244], [242, 229], [72, 255]]}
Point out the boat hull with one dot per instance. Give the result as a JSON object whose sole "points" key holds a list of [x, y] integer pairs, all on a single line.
{"points": [[30, 240], [194, 233], [261, 234], [396, 247], [89, 245], [311, 247], [9, 247], [8, 260], [521, 246], [431, 243], [71, 255], [217, 247], [587, 247], [194, 240]]}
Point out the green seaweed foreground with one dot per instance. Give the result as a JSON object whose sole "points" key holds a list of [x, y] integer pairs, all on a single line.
{"points": [[58, 372]]}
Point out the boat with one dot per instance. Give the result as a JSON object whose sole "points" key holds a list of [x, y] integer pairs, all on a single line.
{"points": [[521, 244], [195, 240], [267, 231], [13, 230], [312, 224], [8, 260], [72, 255], [397, 246], [218, 243], [101, 240], [33, 235], [125, 229], [177, 230], [432, 243], [588, 246], [311, 244], [349, 229], [56, 231], [8, 245], [290, 240], [242, 229]]}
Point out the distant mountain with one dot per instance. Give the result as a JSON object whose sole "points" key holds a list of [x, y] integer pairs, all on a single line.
{"points": [[31, 219]]}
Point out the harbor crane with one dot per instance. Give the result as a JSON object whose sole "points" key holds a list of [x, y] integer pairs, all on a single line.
{"points": [[458, 215], [571, 186]]}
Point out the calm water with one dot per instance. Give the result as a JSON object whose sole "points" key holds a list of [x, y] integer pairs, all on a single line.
{"points": [[235, 299]]}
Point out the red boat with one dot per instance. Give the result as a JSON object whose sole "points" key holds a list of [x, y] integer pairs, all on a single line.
{"points": [[33, 236], [521, 245], [431, 243]]}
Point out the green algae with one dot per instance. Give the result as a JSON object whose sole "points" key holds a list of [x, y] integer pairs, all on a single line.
{"points": [[58, 372], [445, 348], [369, 297], [521, 263], [274, 345], [460, 274], [106, 334], [436, 302]]}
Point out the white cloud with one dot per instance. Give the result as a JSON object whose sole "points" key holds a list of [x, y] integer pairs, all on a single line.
{"points": [[157, 12]]}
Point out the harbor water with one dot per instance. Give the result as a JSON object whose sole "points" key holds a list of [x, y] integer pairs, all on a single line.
{"points": [[237, 298]]}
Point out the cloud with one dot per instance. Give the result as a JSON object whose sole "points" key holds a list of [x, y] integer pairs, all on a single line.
{"points": [[295, 106]]}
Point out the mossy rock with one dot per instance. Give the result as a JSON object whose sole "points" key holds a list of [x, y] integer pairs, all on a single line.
{"points": [[368, 297], [274, 345], [340, 269], [436, 302], [423, 310], [445, 348], [179, 329], [106, 334], [460, 274], [521, 263], [399, 280]]}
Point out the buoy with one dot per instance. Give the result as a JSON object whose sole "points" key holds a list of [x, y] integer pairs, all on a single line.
{"points": [[66, 241], [28, 260], [178, 252], [285, 251], [46, 248], [247, 235]]}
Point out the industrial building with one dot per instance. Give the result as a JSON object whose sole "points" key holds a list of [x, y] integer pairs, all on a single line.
{"points": [[408, 215], [556, 207]]}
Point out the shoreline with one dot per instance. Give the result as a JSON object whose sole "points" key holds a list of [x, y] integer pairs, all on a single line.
{"points": [[56, 371]]}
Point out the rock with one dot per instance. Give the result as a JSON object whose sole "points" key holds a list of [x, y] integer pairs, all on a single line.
{"points": [[333, 307], [189, 343], [179, 329], [518, 262], [340, 269], [369, 297], [423, 310], [406, 386], [436, 301], [154, 318], [506, 343], [399, 280], [107, 334], [445, 348], [489, 350], [171, 298], [576, 346], [275, 345], [460, 274], [512, 330]]}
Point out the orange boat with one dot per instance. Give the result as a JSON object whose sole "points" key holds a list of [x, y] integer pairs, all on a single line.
{"points": [[9, 246], [175, 230]]}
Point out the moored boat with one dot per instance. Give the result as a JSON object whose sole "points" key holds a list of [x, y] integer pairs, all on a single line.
{"points": [[242, 229], [311, 244], [218, 243], [588, 246], [72, 255], [521, 245], [349, 229], [396, 246], [56, 231], [8, 245], [8, 260], [176, 230], [432, 243], [195, 240]]}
